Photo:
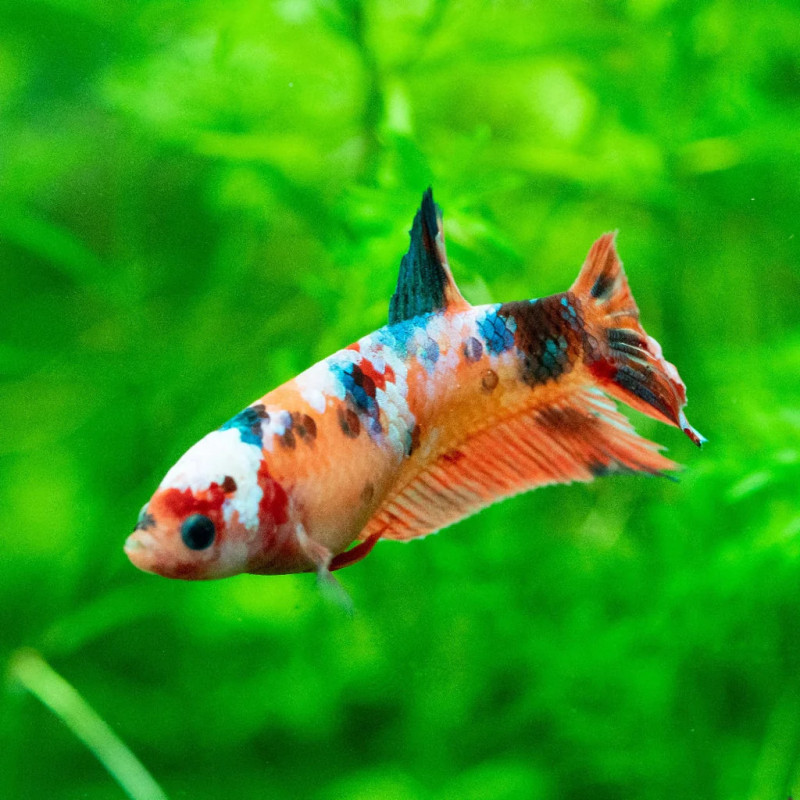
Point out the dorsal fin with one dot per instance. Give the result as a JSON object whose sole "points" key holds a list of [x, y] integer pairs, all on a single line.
{"points": [[425, 283]]}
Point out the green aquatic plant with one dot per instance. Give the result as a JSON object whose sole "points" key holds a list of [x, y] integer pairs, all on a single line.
{"points": [[29, 670], [200, 200]]}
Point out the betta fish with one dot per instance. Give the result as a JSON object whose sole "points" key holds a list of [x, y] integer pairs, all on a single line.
{"points": [[444, 410]]}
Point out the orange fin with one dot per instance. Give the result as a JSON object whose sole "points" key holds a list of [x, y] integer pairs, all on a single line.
{"points": [[627, 362], [425, 283], [577, 438]]}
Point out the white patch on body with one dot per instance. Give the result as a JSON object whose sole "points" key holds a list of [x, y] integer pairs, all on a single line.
{"points": [[318, 382], [397, 420], [451, 339], [211, 460], [315, 398], [278, 423]]}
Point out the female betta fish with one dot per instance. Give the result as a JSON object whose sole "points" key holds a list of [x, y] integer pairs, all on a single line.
{"points": [[448, 408]]}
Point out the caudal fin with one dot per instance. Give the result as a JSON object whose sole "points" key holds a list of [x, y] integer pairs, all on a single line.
{"points": [[626, 362]]}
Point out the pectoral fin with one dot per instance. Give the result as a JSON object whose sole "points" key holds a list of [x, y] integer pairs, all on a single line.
{"points": [[321, 558]]}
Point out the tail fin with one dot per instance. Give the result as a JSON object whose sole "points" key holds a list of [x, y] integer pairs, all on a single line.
{"points": [[626, 362]]}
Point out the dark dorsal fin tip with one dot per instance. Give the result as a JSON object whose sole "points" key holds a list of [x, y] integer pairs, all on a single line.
{"points": [[430, 224], [425, 283]]}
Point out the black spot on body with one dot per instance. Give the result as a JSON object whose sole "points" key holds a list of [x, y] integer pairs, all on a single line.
{"points": [[413, 440], [349, 422], [228, 485], [367, 493], [287, 440], [360, 378], [305, 427], [473, 349], [359, 390], [489, 380]]}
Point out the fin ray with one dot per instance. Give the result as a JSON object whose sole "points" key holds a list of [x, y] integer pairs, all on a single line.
{"points": [[628, 363], [586, 437], [425, 283]]}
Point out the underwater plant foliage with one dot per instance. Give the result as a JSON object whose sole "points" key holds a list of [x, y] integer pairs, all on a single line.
{"points": [[199, 200]]}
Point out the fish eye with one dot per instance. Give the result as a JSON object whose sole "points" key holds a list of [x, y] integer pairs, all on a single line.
{"points": [[197, 532]]}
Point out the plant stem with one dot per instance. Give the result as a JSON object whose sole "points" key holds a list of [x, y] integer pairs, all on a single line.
{"points": [[31, 671]]}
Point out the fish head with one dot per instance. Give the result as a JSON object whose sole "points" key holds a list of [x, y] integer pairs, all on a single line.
{"points": [[204, 519]]}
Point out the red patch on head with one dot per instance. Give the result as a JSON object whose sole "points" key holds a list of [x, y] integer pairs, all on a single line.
{"points": [[181, 503], [176, 502], [274, 502]]}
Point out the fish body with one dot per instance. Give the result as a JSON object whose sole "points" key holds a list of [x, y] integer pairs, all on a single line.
{"points": [[446, 409]]}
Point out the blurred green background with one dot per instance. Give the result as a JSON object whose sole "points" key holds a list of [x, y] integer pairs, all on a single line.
{"points": [[200, 199]]}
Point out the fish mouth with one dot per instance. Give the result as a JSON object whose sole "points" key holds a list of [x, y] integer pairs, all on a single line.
{"points": [[140, 549]]}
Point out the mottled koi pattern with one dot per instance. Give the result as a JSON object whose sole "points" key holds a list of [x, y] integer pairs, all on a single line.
{"points": [[446, 409]]}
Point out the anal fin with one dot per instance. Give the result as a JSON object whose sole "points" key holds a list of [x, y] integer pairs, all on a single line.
{"points": [[578, 438]]}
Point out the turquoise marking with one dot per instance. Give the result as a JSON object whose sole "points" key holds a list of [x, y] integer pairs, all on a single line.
{"points": [[497, 331]]}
